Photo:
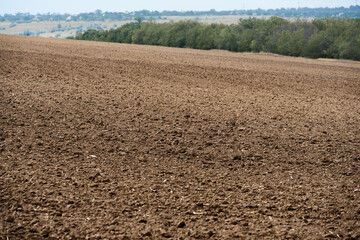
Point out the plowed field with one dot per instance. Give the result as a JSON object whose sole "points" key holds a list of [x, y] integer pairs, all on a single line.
{"points": [[116, 141]]}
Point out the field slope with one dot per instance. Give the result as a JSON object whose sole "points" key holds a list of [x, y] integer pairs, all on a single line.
{"points": [[112, 141]]}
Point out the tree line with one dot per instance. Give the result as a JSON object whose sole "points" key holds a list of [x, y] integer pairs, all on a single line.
{"points": [[98, 15], [320, 38]]}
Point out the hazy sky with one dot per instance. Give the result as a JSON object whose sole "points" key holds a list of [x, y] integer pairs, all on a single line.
{"points": [[77, 6]]}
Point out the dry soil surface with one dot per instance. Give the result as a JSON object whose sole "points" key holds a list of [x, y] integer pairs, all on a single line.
{"points": [[116, 141]]}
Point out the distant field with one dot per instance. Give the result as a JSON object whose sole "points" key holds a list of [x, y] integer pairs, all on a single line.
{"points": [[212, 19], [63, 29]]}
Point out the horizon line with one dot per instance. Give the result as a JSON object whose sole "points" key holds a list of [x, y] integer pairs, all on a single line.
{"points": [[104, 11]]}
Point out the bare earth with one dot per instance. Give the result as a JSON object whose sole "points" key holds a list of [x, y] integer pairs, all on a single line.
{"points": [[116, 141]]}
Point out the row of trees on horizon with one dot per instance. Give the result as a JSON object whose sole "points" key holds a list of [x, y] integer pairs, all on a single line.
{"points": [[98, 15], [320, 38]]}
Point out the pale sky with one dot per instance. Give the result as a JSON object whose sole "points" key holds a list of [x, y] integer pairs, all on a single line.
{"points": [[79, 6]]}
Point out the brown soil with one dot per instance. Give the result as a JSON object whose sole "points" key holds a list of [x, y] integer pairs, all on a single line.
{"points": [[112, 141]]}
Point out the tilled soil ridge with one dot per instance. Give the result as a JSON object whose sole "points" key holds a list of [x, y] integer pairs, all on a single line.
{"points": [[116, 141]]}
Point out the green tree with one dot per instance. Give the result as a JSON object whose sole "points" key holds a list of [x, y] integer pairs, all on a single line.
{"points": [[291, 43], [332, 38], [349, 44], [177, 33], [192, 36], [316, 46], [139, 20], [227, 39]]}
